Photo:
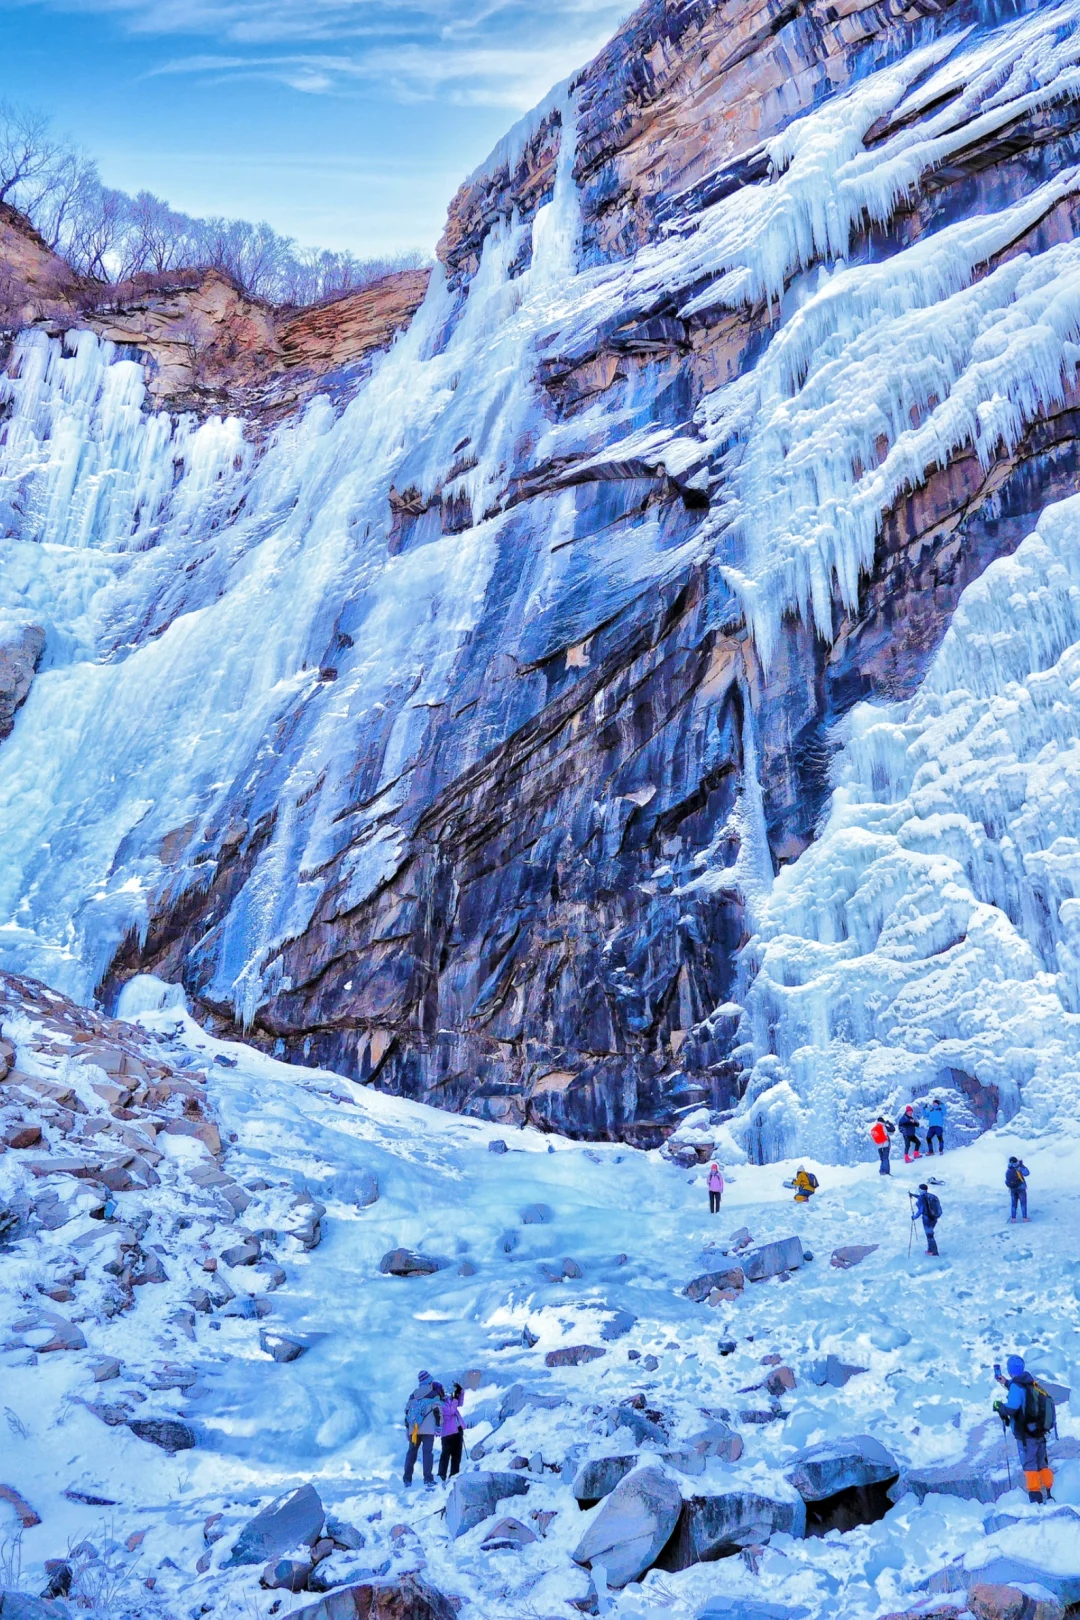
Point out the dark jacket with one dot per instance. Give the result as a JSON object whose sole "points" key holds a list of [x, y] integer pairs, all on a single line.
{"points": [[909, 1125], [1016, 1175], [924, 1209]]}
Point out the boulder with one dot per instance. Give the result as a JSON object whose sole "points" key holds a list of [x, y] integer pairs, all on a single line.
{"points": [[287, 1574], [536, 1215], [573, 1355], [770, 1259], [408, 1263], [619, 1325], [851, 1254], [831, 1370], [105, 1369], [474, 1497], [644, 1429], [507, 1536], [243, 1254], [836, 1465], [1008, 1571], [280, 1345], [631, 1526], [599, 1477], [171, 1434], [344, 1569], [407, 1599], [715, 1526], [732, 1277], [981, 1481], [1006, 1602], [23, 1136], [290, 1522], [497, 1145], [740, 1240]]}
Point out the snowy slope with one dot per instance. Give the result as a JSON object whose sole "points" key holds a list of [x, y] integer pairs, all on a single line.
{"points": [[926, 1331]]}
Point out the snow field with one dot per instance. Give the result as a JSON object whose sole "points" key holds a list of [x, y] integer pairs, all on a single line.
{"points": [[927, 1331]]}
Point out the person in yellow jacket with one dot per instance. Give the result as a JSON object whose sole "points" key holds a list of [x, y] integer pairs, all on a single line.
{"points": [[805, 1184]]}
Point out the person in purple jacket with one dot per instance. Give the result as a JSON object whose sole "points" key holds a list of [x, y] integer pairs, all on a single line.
{"points": [[716, 1188], [453, 1433]]}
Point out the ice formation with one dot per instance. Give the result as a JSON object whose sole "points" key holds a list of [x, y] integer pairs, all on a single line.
{"points": [[930, 931], [196, 589]]}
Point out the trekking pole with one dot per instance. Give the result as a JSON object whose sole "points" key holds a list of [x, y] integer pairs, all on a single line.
{"points": [[1005, 1443], [911, 1228]]}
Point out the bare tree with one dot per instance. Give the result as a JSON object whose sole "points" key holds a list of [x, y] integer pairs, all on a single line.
{"points": [[28, 148]]}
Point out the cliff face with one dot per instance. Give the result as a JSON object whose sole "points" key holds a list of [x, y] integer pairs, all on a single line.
{"points": [[500, 695]]}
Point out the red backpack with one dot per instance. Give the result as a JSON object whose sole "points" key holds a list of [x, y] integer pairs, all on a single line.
{"points": [[879, 1134]]}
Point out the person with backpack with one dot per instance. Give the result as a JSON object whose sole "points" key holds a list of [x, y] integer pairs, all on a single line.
{"points": [[928, 1210], [935, 1121], [881, 1132], [452, 1430], [423, 1417], [1029, 1410], [716, 1188], [805, 1184], [1016, 1175], [909, 1130]]}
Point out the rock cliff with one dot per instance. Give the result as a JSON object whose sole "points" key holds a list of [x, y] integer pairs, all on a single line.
{"points": [[748, 352]]}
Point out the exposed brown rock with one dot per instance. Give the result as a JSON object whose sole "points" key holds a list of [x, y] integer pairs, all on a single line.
{"points": [[351, 327]]}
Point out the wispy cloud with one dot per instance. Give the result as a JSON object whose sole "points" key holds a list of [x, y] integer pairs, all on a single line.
{"points": [[470, 52]]}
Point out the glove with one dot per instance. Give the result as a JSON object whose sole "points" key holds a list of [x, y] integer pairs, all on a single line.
{"points": [[1002, 1411]]}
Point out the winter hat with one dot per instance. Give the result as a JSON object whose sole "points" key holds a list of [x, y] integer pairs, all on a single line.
{"points": [[423, 1377], [923, 1187], [1014, 1366], [1013, 1159]]}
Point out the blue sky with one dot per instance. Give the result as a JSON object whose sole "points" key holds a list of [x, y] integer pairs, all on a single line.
{"points": [[345, 123]]}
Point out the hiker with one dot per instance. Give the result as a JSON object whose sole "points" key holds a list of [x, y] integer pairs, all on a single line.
{"points": [[935, 1120], [716, 1189], [1016, 1175], [1029, 1410], [909, 1130], [453, 1433], [881, 1135], [928, 1210], [423, 1415], [805, 1184]]}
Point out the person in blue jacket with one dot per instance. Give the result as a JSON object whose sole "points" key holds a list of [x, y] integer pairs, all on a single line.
{"points": [[928, 1210], [935, 1120], [1016, 1175], [1021, 1409]]}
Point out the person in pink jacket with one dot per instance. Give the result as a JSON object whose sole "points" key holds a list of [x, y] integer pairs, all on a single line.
{"points": [[716, 1189], [453, 1433]]}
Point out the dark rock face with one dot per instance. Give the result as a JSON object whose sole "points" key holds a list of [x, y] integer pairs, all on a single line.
{"points": [[20, 653], [290, 1522], [407, 1599], [716, 1526], [544, 948]]}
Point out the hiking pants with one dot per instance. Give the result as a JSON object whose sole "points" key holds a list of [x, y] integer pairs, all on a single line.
{"points": [[931, 1240], [936, 1132], [450, 1455], [1038, 1475], [883, 1159], [1018, 1195], [714, 1203], [911, 1143], [426, 1446]]}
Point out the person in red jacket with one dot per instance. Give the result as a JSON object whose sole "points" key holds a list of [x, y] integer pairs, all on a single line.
{"points": [[881, 1135]]}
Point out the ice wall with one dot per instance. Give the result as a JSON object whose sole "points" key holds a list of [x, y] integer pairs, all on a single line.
{"points": [[933, 930], [242, 637]]}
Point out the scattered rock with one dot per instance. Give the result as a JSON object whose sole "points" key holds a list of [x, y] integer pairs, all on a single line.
{"points": [[718, 1440], [408, 1263], [21, 1606], [599, 1477], [510, 1534], [497, 1145], [407, 1599], [716, 1526], [466, 1269], [280, 1345], [23, 1136], [982, 1481], [289, 1522], [60, 1576], [770, 1259], [732, 1277], [66, 1336], [989, 1602], [24, 1512], [288, 1574], [537, 1215], [836, 1465], [474, 1497], [650, 1363], [345, 1535], [243, 1254], [572, 1272], [171, 1434], [779, 1381], [831, 1370], [619, 1325], [1017, 1572], [726, 1347], [631, 1526], [740, 1240], [573, 1355], [149, 1270], [529, 1339], [851, 1254]]}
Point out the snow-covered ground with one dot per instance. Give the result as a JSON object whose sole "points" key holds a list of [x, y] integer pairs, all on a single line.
{"points": [[927, 1331]]}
